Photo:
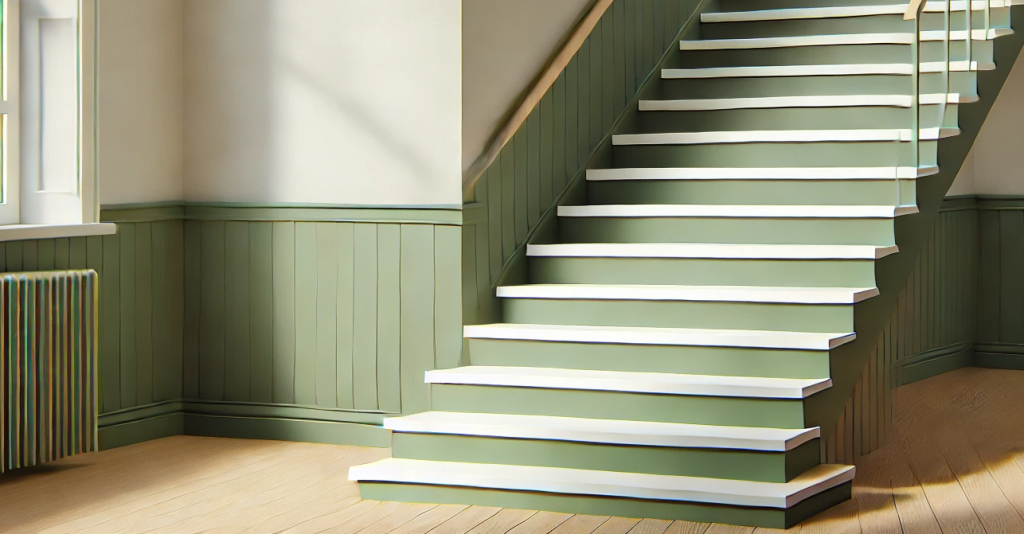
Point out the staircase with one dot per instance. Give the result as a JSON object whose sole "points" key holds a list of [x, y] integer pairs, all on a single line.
{"points": [[663, 358]]}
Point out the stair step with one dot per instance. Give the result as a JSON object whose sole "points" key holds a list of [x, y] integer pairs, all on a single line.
{"points": [[712, 251], [635, 335], [777, 102], [884, 69], [610, 431], [743, 211], [606, 483], [840, 11], [779, 295], [780, 136], [752, 173], [631, 382], [840, 40]]}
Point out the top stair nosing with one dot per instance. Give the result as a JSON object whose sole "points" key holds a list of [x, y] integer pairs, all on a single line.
{"points": [[840, 11], [766, 173], [809, 101], [711, 251], [631, 382], [853, 69], [751, 294], [606, 431], [873, 135], [725, 211], [839, 40], [606, 483]]}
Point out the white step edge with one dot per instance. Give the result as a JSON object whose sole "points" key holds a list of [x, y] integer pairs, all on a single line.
{"points": [[891, 69], [776, 102], [841, 11], [630, 382], [764, 173], [711, 251], [606, 483], [638, 335], [838, 40], [773, 295], [610, 431], [780, 136], [723, 211]]}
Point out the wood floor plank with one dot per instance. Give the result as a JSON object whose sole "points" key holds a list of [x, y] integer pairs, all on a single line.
{"points": [[340, 517], [876, 506], [728, 529], [840, 519], [503, 521], [466, 520], [687, 527], [431, 519], [321, 506], [650, 526], [617, 525], [541, 523], [580, 524], [370, 524]]}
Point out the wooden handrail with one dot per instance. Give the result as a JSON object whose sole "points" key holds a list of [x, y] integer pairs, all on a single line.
{"points": [[543, 82], [914, 9]]}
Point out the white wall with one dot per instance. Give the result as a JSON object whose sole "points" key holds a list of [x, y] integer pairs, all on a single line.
{"points": [[995, 165], [505, 45], [141, 101], [353, 102]]}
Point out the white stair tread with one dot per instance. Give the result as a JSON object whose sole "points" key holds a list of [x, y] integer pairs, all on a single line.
{"points": [[839, 39], [904, 69], [606, 483], [776, 102], [630, 382], [643, 433], [638, 335], [841, 11], [781, 136], [712, 251], [738, 212], [781, 295], [764, 173]]}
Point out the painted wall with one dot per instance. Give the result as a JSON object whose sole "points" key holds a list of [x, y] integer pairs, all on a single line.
{"points": [[995, 163], [341, 102], [504, 46], [140, 67]]}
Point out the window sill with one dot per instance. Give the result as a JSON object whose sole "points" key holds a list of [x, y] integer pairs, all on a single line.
{"points": [[18, 232]]}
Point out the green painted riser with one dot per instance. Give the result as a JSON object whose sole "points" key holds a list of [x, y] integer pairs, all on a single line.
{"points": [[964, 83], [738, 230], [710, 272], [870, 24], [725, 411], [819, 118], [604, 506], [823, 154], [756, 192], [912, 233], [713, 463], [829, 55], [727, 361], [681, 314]]}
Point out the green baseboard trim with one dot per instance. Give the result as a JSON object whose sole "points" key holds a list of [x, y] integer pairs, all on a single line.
{"points": [[604, 506], [132, 432], [210, 211], [138, 413], [934, 362], [282, 411], [333, 433], [999, 355]]}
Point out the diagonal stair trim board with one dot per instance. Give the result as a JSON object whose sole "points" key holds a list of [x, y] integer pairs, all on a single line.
{"points": [[780, 136], [712, 251], [782, 102], [611, 431], [635, 335], [775, 295], [740, 211], [607, 483], [803, 13], [631, 382], [857, 69], [753, 173]]}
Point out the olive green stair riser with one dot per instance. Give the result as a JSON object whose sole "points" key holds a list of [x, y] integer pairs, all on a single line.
{"points": [[887, 78], [777, 192]]}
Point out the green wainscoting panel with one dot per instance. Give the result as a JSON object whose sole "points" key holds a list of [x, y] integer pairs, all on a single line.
{"points": [[1000, 311], [515, 197]]}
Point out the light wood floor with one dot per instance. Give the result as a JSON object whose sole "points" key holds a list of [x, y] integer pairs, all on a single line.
{"points": [[956, 466]]}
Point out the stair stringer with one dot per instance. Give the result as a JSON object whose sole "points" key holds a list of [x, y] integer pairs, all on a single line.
{"points": [[892, 272]]}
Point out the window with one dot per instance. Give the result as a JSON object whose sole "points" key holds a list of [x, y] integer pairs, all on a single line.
{"points": [[48, 149]]}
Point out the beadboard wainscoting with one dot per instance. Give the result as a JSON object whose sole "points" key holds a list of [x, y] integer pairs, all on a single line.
{"points": [[286, 322], [1000, 339]]}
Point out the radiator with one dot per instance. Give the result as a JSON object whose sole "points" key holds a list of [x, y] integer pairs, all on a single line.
{"points": [[48, 380]]}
